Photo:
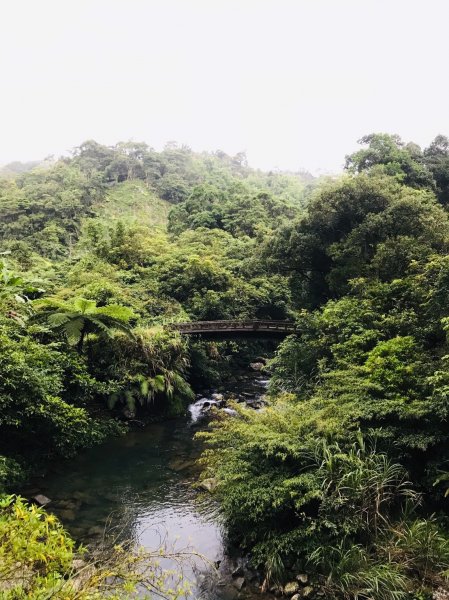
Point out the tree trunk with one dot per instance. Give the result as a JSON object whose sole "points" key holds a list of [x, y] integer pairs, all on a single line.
{"points": [[80, 344]]}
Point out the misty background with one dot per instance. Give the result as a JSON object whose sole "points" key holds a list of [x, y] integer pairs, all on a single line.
{"points": [[294, 84]]}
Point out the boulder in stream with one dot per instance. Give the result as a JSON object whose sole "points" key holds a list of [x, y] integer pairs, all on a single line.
{"points": [[257, 366], [239, 583], [209, 484], [290, 588], [68, 504], [41, 499], [228, 592], [181, 464], [307, 591], [128, 413], [238, 572], [96, 531]]}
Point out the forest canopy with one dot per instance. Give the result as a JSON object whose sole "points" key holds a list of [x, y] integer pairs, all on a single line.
{"points": [[343, 474]]}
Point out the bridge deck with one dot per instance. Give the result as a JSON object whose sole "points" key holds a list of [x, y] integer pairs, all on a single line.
{"points": [[208, 327]]}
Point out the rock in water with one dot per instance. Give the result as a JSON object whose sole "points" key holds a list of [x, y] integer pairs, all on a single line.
{"points": [[180, 464], [209, 484], [257, 366], [239, 583], [238, 572], [128, 413], [41, 499], [96, 531], [228, 593], [290, 588], [307, 591]]}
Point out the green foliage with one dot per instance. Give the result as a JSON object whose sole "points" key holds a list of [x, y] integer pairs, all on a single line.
{"points": [[329, 509], [34, 550], [148, 371], [363, 226], [45, 207], [81, 317], [133, 203], [11, 473], [352, 573], [239, 213], [387, 154], [42, 393], [14, 286], [126, 240], [407, 163]]}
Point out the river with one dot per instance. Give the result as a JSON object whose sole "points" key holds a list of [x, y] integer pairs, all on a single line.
{"points": [[141, 487]]}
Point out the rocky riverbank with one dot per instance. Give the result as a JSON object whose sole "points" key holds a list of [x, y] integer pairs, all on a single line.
{"points": [[248, 389]]}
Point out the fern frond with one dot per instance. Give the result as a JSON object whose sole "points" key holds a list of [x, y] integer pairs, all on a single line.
{"points": [[117, 311], [73, 329], [58, 319], [86, 307]]}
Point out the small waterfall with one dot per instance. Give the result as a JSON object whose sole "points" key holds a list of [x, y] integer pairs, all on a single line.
{"points": [[250, 393], [200, 407]]}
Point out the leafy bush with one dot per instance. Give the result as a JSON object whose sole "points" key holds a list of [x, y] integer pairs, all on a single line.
{"points": [[299, 502]]}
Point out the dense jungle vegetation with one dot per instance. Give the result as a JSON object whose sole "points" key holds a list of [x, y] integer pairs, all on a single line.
{"points": [[342, 476]]}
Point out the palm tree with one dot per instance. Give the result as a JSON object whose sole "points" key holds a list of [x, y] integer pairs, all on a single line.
{"points": [[80, 317]]}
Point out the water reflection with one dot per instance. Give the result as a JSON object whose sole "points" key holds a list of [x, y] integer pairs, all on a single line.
{"points": [[141, 487], [138, 487]]}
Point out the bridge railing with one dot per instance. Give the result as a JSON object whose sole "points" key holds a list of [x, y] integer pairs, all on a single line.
{"points": [[234, 325]]}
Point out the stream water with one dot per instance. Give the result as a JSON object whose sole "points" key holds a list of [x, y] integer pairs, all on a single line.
{"points": [[141, 487]]}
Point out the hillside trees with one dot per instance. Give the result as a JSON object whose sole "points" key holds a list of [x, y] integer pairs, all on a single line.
{"points": [[239, 212], [359, 394], [326, 479], [358, 227], [428, 168], [43, 396], [436, 158], [90, 245], [388, 154], [44, 208]]}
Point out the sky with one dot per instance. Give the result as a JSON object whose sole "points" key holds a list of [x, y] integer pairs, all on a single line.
{"points": [[293, 83]]}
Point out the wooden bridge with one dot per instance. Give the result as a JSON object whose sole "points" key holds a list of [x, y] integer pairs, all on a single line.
{"points": [[231, 328]]}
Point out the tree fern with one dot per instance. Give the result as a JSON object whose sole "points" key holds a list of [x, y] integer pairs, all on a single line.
{"points": [[80, 317]]}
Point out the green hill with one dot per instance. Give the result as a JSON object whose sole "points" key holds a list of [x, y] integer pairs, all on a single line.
{"points": [[133, 202]]}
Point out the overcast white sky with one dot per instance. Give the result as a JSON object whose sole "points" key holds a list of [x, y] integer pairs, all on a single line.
{"points": [[293, 83]]}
